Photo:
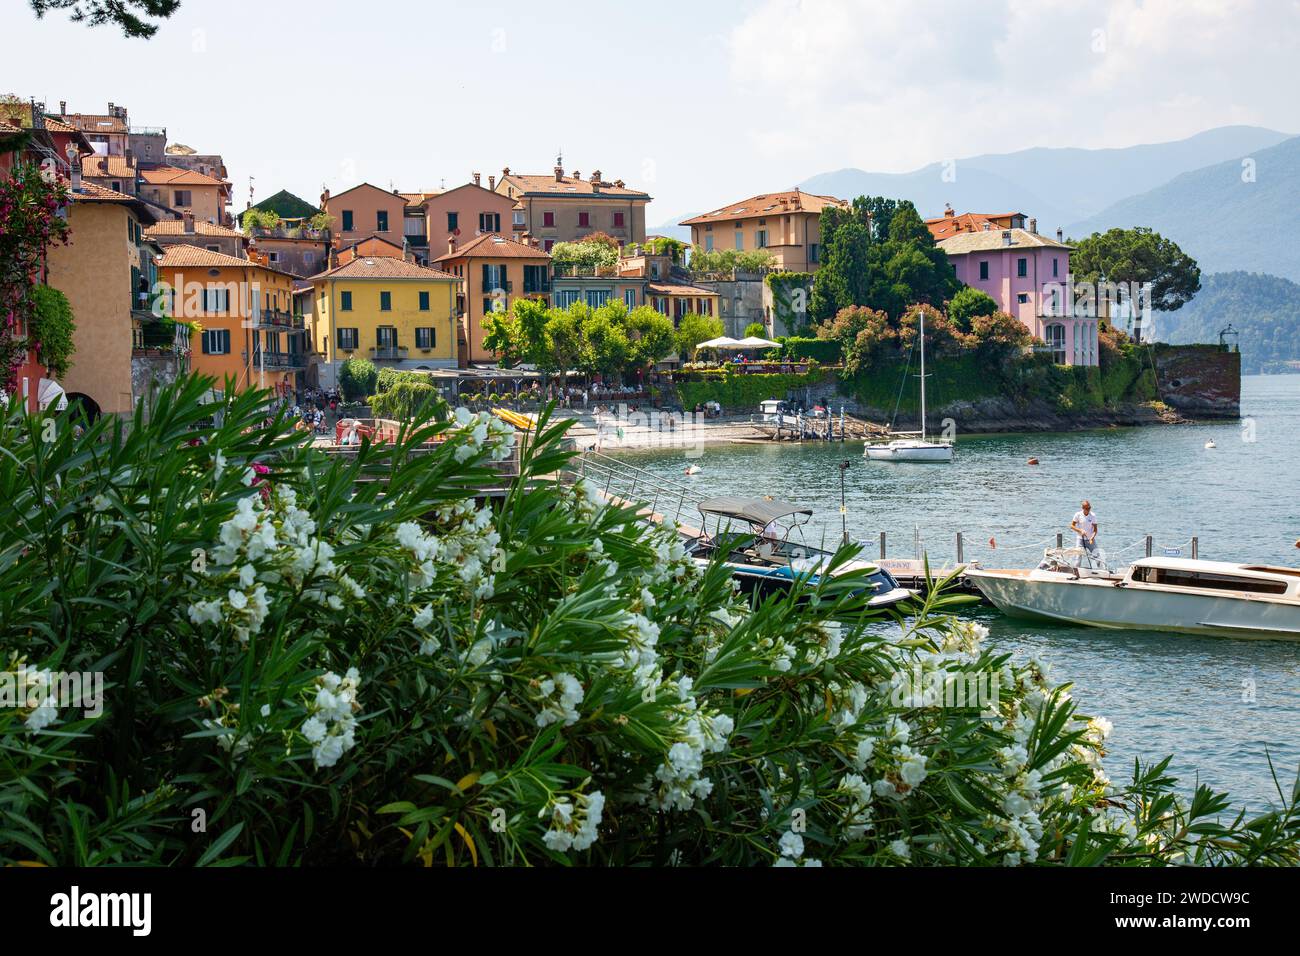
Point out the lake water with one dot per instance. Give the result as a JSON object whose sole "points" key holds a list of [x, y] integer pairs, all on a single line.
{"points": [[1221, 706]]}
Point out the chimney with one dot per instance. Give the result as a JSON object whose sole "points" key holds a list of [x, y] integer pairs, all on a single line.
{"points": [[948, 211], [130, 157], [1060, 234], [188, 220], [505, 171], [559, 174], [324, 198], [63, 107], [492, 183], [451, 245], [74, 168], [618, 184], [111, 111], [577, 175], [595, 177], [1006, 237], [988, 226], [1033, 226], [477, 178]]}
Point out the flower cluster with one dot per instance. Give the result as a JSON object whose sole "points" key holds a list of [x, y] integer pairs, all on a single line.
{"points": [[574, 827], [331, 726]]}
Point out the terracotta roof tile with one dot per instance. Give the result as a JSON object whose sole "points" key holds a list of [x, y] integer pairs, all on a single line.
{"points": [[384, 267], [182, 255], [56, 125], [493, 246], [769, 204], [171, 175], [947, 226], [991, 241], [176, 227], [95, 122], [569, 186], [666, 288], [115, 166]]}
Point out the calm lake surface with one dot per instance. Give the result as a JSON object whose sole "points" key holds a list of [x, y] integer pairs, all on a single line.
{"points": [[1164, 693]]}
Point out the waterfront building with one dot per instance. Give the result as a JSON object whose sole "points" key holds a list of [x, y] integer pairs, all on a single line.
{"points": [[1027, 275], [565, 208], [492, 272], [393, 312], [362, 211], [466, 212], [786, 224], [250, 333]]}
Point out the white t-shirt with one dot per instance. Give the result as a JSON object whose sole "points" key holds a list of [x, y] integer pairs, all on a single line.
{"points": [[1088, 522]]}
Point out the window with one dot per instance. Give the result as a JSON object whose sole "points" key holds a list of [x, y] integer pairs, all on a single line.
{"points": [[117, 186], [347, 339], [761, 238], [740, 240], [218, 249], [534, 279], [182, 197], [386, 337], [1022, 298], [426, 338], [548, 219], [984, 270], [584, 220], [493, 304], [1054, 335], [1022, 267], [453, 221], [345, 301], [216, 301], [629, 298], [270, 256], [424, 302], [489, 222], [565, 298], [1056, 267], [347, 220], [618, 220], [814, 253], [381, 220], [517, 218], [548, 245], [385, 302], [216, 341], [494, 278], [708, 242], [597, 297]]}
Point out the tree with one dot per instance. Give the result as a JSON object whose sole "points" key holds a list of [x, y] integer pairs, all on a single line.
{"points": [[357, 377], [652, 336], [1139, 256], [564, 338], [729, 260], [605, 346], [120, 12], [694, 329], [999, 336], [591, 254], [756, 330], [968, 303], [864, 335]]}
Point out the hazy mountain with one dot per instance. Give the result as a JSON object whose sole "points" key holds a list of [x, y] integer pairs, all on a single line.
{"points": [[1225, 222], [1264, 309], [1054, 185]]}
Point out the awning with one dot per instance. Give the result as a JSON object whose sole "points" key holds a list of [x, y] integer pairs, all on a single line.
{"points": [[722, 342], [754, 342], [754, 510]]}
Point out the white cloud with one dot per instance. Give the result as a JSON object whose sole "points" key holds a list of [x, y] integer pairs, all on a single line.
{"points": [[889, 85]]}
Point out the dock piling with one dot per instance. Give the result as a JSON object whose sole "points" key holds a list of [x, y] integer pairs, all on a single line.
{"points": [[1060, 540], [961, 557], [882, 546], [1196, 548], [1149, 543]]}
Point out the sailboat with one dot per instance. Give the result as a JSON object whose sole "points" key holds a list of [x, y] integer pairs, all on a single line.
{"points": [[912, 449]]}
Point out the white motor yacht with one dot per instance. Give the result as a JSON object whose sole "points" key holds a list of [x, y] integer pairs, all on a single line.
{"points": [[1160, 594]]}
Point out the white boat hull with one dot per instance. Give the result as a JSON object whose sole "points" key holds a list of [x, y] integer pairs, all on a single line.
{"points": [[909, 452], [1101, 602]]}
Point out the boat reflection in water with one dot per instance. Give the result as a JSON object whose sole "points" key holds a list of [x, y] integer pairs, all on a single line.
{"points": [[766, 553]]}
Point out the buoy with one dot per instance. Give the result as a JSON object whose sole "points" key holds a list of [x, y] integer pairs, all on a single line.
{"points": [[993, 543], [1211, 444], [1032, 461]]}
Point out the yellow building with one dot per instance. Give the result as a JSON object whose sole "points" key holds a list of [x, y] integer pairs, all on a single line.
{"points": [[394, 313], [249, 332]]}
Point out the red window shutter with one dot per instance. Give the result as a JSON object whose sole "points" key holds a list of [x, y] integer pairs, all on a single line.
{"points": [[618, 219], [548, 219]]}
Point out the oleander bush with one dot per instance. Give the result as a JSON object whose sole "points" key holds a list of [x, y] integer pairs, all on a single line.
{"points": [[301, 667]]}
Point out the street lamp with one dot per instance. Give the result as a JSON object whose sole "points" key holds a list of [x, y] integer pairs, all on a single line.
{"points": [[844, 525]]}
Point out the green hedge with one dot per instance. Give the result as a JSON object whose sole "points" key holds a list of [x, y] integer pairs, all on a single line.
{"points": [[826, 351], [740, 391]]}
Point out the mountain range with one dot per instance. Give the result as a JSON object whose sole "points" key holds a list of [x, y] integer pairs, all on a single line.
{"points": [[1190, 190]]}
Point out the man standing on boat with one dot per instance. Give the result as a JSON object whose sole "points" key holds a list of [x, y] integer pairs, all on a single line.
{"points": [[1084, 526]]}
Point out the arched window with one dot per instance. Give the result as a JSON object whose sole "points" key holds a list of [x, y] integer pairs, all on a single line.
{"points": [[1054, 336]]}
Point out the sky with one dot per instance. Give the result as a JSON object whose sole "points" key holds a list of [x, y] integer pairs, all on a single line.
{"points": [[698, 103]]}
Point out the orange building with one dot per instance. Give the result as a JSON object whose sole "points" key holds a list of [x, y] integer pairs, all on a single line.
{"points": [[565, 208], [786, 224], [185, 190], [249, 331], [950, 224], [466, 212], [494, 271], [364, 211]]}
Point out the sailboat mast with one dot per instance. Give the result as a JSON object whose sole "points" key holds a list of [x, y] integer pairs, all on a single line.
{"points": [[923, 375]]}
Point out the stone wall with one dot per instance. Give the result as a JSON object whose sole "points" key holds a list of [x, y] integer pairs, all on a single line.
{"points": [[1199, 381], [152, 369]]}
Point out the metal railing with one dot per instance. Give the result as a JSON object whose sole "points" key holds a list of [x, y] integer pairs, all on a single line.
{"points": [[389, 353], [278, 360], [633, 485]]}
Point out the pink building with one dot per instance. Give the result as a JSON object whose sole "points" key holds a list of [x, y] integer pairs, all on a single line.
{"points": [[1027, 275]]}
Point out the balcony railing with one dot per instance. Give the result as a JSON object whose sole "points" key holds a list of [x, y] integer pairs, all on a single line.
{"points": [[278, 360], [155, 335], [566, 270], [272, 318], [537, 288], [388, 353], [490, 286]]}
